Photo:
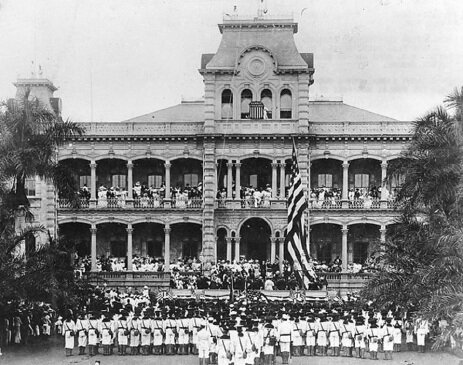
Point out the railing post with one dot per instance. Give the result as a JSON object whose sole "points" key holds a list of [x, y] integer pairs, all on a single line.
{"points": [[344, 231], [93, 247]]}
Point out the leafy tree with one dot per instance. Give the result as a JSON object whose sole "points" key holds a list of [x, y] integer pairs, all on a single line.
{"points": [[423, 256]]}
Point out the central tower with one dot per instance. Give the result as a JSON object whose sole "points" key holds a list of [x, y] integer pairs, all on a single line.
{"points": [[257, 65]]}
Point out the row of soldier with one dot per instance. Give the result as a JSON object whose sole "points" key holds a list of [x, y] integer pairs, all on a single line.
{"points": [[242, 336]]}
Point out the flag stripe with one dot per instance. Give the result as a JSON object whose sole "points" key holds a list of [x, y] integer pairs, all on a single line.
{"points": [[295, 236]]}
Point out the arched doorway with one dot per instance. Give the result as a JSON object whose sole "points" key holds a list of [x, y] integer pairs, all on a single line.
{"points": [[255, 239], [327, 241], [363, 240], [76, 236], [185, 241], [148, 240]]}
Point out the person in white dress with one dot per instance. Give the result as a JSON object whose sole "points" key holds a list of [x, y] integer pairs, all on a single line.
{"points": [[422, 329]]}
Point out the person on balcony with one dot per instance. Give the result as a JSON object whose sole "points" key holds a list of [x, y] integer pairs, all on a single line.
{"points": [[137, 190]]}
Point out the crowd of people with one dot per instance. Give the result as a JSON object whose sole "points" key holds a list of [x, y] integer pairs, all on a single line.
{"points": [[143, 194], [245, 274], [247, 330], [250, 197]]}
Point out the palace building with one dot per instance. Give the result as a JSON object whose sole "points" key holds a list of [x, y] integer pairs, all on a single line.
{"points": [[208, 178]]}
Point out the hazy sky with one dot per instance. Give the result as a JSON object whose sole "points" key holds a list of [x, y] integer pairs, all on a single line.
{"points": [[395, 57]]}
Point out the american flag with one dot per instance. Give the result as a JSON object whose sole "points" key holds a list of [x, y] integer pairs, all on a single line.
{"points": [[295, 239]]}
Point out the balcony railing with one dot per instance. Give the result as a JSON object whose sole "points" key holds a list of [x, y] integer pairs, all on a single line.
{"points": [[185, 203], [137, 203], [368, 204], [325, 204], [147, 203]]}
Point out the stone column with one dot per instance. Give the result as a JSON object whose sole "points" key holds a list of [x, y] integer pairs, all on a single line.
{"points": [[382, 232], [130, 180], [93, 247], [344, 231], [167, 166], [282, 180], [237, 248], [274, 180], [345, 180], [383, 176], [272, 249], [229, 248], [309, 178], [237, 180], [93, 196], [129, 247], [167, 247], [229, 180], [281, 253]]}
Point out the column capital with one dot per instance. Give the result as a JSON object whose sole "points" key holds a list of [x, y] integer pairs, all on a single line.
{"points": [[275, 164], [237, 164], [228, 239], [129, 164], [344, 230], [129, 228], [229, 164], [282, 164], [237, 239], [273, 240], [92, 164], [93, 230], [345, 164], [167, 228], [384, 164], [167, 165]]}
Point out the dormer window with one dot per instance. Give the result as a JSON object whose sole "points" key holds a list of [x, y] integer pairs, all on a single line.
{"points": [[266, 99], [246, 98], [227, 104], [286, 104]]}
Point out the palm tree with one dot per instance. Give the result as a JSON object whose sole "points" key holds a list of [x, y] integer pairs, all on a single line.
{"points": [[455, 101], [30, 135], [423, 256]]}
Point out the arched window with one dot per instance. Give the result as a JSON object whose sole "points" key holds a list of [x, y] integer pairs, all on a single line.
{"points": [[286, 104], [266, 99], [227, 104], [246, 98]]}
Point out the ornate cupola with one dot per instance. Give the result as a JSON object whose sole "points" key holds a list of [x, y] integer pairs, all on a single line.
{"points": [[257, 73]]}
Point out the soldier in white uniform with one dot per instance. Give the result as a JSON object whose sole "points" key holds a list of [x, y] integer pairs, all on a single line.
{"points": [[397, 333], [183, 328], [203, 339], [82, 331], [297, 335], [93, 334], [238, 343], [422, 329], [134, 328], [311, 334], [285, 331], [224, 349], [333, 335], [107, 336], [122, 331], [158, 333], [359, 338], [170, 329], [373, 338], [388, 340], [269, 336], [69, 330], [252, 345], [322, 336], [145, 331], [346, 337], [196, 324]]}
